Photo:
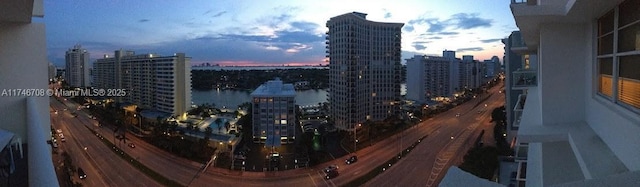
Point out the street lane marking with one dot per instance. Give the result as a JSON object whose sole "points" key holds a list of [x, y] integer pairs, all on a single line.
{"points": [[314, 182]]}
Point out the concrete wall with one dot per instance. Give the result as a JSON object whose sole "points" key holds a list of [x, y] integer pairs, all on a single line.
{"points": [[561, 72], [23, 65]]}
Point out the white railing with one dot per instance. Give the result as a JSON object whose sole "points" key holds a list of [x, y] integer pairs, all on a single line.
{"points": [[41, 172], [525, 78]]}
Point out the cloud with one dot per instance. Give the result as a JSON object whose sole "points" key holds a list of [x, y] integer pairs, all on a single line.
{"points": [[304, 26], [469, 21], [470, 49], [387, 15], [419, 46], [219, 14], [448, 33], [408, 28], [143, 20], [491, 40], [456, 21]]}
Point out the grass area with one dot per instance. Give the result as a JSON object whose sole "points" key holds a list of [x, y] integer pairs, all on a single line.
{"points": [[141, 167], [383, 167]]}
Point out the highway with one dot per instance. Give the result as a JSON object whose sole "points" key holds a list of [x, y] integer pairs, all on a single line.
{"points": [[424, 166], [427, 164], [102, 166]]}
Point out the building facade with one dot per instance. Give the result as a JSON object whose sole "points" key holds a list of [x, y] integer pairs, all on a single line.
{"points": [[151, 81], [581, 120], [364, 69], [274, 113], [431, 77], [77, 67], [26, 120]]}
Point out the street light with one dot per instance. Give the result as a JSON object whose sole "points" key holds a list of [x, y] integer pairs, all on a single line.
{"points": [[355, 138]]}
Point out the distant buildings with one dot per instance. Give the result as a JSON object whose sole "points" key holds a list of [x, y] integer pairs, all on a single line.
{"points": [[364, 69], [77, 67], [151, 81], [52, 71], [469, 72], [431, 77], [274, 113]]}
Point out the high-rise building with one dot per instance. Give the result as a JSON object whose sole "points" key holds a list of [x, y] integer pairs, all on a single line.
{"points": [[274, 113], [150, 81], [364, 69], [52, 71], [581, 120], [77, 67], [470, 78], [431, 77], [25, 127]]}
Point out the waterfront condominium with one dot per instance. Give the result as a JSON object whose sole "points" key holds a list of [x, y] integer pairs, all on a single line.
{"points": [[77, 67], [151, 81], [364, 69], [274, 113], [432, 77]]}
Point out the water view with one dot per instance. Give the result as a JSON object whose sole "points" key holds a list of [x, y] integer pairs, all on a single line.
{"points": [[233, 98]]}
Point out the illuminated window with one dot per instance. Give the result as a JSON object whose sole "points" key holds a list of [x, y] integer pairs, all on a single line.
{"points": [[618, 63]]}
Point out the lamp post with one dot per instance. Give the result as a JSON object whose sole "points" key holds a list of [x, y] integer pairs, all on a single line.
{"points": [[355, 138], [139, 123]]}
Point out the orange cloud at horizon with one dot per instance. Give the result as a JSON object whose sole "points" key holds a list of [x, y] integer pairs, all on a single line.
{"points": [[254, 63]]}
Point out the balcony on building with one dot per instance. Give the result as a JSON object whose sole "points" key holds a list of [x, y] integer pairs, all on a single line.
{"points": [[523, 79]]}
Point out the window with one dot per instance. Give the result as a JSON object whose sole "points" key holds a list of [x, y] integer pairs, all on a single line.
{"points": [[618, 64]]}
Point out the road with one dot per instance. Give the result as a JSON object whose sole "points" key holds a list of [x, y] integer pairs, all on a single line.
{"points": [[420, 167], [102, 166], [427, 164]]}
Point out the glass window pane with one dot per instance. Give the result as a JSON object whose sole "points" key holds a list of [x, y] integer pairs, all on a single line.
{"points": [[629, 12], [629, 38], [605, 23], [605, 44], [605, 79], [629, 80]]}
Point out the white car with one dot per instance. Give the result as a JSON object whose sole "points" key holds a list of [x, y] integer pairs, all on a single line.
{"points": [[59, 130]]}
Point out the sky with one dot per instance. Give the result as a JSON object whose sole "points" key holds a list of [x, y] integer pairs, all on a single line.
{"points": [[277, 32]]}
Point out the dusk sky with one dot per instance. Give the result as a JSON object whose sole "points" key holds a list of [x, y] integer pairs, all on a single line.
{"points": [[243, 32]]}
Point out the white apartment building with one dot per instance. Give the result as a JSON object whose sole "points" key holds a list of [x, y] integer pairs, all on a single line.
{"points": [[364, 69], [431, 77], [25, 119], [151, 81], [274, 113], [580, 124], [77, 67], [469, 73]]}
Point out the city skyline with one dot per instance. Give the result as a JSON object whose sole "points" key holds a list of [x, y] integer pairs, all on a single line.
{"points": [[277, 33]]}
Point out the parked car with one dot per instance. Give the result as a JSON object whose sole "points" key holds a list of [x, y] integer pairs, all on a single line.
{"points": [[351, 160], [132, 145]]}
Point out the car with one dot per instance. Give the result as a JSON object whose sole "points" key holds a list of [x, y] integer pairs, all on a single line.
{"points": [[351, 160], [458, 115], [132, 145], [55, 145], [330, 168], [59, 130], [62, 139], [332, 174], [81, 174]]}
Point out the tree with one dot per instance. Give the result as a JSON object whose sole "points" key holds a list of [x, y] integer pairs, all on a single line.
{"points": [[481, 161]]}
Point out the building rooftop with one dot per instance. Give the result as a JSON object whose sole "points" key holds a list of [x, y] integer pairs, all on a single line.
{"points": [[274, 88]]}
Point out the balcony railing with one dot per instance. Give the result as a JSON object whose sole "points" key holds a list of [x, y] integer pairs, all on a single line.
{"points": [[522, 98], [528, 2], [41, 172], [525, 79], [517, 115]]}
